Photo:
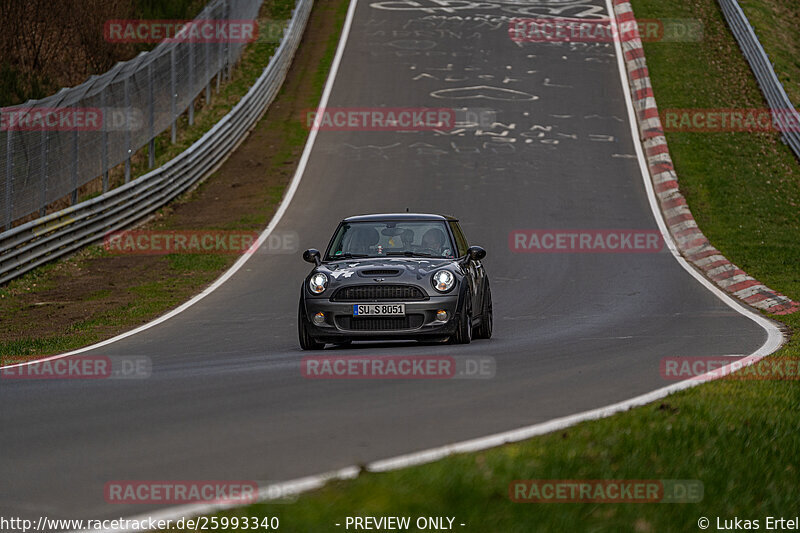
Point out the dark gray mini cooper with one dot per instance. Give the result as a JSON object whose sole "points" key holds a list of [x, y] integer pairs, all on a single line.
{"points": [[395, 276]]}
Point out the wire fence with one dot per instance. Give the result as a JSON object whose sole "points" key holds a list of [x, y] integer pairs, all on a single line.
{"points": [[784, 113], [51, 147]]}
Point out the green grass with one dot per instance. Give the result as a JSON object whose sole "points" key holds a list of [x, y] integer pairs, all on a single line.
{"points": [[197, 262], [47, 345], [739, 438], [775, 23], [152, 299], [36, 280], [98, 295]]}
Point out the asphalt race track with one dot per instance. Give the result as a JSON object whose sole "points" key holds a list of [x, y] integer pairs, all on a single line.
{"points": [[573, 331]]}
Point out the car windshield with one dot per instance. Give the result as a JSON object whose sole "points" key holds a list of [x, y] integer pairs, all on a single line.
{"points": [[388, 238]]}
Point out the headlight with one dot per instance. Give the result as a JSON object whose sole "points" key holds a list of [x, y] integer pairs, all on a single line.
{"points": [[443, 280], [318, 283]]}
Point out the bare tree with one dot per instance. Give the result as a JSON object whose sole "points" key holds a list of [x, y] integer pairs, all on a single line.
{"points": [[48, 44]]}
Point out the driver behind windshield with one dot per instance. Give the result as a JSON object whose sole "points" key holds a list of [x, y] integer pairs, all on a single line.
{"points": [[433, 240], [367, 239]]}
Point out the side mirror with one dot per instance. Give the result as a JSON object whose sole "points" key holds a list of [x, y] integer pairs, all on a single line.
{"points": [[476, 253], [312, 256]]}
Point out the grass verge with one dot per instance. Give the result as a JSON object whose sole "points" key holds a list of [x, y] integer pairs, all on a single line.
{"points": [[739, 438], [775, 23]]}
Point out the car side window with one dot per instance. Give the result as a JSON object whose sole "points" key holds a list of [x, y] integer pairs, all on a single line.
{"points": [[461, 241]]}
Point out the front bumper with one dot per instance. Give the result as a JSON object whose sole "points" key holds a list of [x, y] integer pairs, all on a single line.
{"points": [[420, 321]]}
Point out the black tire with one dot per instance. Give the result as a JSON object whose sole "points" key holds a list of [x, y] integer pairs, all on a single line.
{"points": [[463, 334], [307, 342], [484, 329]]}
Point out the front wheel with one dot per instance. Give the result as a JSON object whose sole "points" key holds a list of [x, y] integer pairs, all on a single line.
{"points": [[463, 333], [484, 329], [307, 342]]}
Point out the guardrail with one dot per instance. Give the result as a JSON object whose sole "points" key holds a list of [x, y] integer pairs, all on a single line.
{"points": [[32, 244], [786, 116]]}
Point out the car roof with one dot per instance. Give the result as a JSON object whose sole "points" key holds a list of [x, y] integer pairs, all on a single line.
{"points": [[398, 216]]}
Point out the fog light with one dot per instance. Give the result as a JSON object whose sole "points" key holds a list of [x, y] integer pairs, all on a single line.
{"points": [[441, 314], [319, 319]]}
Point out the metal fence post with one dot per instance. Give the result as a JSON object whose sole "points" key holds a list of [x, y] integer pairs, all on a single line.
{"points": [[104, 140], [127, 131], [207, 77], [220, 58], [173, 94], [227, 18], [43, 174], [151, 147], [9, 178], [191, 83], [75, 162]]}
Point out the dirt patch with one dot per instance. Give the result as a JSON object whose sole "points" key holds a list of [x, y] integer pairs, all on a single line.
{"points": [[94, 295]]}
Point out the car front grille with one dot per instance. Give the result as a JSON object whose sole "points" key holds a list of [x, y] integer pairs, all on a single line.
{"points": [[357, 293], [380, 323]]}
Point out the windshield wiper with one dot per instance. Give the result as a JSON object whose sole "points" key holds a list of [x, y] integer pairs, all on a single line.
{"points": [[409, 253], [348, 255]]}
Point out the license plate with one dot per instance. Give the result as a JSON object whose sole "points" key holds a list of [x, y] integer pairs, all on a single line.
{"points": [[379, 310]]}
